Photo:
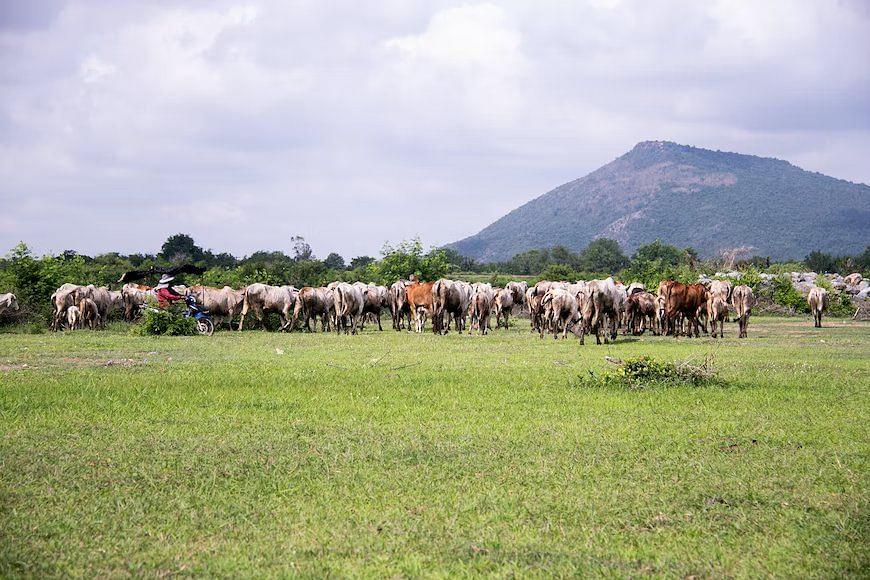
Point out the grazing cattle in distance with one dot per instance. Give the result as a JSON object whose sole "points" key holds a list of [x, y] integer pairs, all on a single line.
{"points": [[683, 299], [61, 299], [375, 299], [349, 304], [419, 295], [560, 310], [73, 317], [502, 306], [602, 305], [641, 308], [223, 304], [743, 300], [717, 312], [480, 309], [450, 300], [8, 303], [262, 298], [311, 303], [89, 312], [100, 296], [818, 301], [134, 296], [399, 305], [117, 299], [518, 291]]}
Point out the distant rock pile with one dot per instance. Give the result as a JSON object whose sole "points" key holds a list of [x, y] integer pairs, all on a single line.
{"points": [[854, 284]]}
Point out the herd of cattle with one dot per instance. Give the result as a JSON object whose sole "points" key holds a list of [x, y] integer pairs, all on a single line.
{"points": [[599, 307]]}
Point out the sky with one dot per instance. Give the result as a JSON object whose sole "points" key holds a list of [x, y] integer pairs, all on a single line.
{"points": [[244, 123]]}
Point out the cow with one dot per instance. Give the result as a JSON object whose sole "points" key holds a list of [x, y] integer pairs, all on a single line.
{"points": [[61, 299], [221, 303], [399, 305], [117, 299], [743, 300], [134, 296], [375, 299], [503, 305], [518, 291], [533, 298], [73, 317], [262, 298], [8, 303], [101, 297], [635, 287], [818, 301], [311, 303], [89, 312], [348, 306], [602, 304], [450, 300], [560, 308], [682, 299], [419, 296], [480, 309], [717, 313], [641, 309]]}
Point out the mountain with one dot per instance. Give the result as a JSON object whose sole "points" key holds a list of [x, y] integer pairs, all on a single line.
{"points": [[687, 196]]}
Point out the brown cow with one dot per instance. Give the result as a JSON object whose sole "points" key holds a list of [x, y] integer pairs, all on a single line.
{"points": [[134, 296], [641, 308], [682, 299], [419, 295]]}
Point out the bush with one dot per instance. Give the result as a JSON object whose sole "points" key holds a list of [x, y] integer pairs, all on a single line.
{"points": [[645, 372], [785, 295], [749, 277], [165, 323]]}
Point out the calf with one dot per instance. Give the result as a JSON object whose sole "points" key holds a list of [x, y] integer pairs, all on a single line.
{"points": [[73, 317]]}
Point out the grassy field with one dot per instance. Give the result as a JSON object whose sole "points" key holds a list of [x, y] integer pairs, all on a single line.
{"points": [[387, 454]]}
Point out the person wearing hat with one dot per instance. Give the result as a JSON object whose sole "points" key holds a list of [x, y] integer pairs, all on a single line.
{"points": [[164, 292]]}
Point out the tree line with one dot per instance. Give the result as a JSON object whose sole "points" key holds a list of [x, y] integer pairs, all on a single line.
{"points": [[33, 278]]}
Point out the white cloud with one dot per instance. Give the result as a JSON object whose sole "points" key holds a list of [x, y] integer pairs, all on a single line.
{"points": [[245, 122]]}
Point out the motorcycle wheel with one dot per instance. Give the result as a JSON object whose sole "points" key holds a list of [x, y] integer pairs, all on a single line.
{"points": [[205, 326]]}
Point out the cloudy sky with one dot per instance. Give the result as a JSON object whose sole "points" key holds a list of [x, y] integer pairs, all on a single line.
{"points": [[354, 123]]}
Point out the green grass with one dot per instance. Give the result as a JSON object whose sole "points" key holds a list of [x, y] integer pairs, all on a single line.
{"points": [[387, 454]]}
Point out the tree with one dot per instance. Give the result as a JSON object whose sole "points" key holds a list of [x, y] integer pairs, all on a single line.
{"points": [[559, 273], [862, 260], [820, 262], [180, 248], [603, 255], [667, 254], [408, 258], [301, 249], [361, 262], [334, 261]]}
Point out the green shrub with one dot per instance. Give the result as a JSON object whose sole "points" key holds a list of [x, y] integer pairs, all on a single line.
{"points": [[749, 277], [785, 295], [645, 372], [157, 322]]}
